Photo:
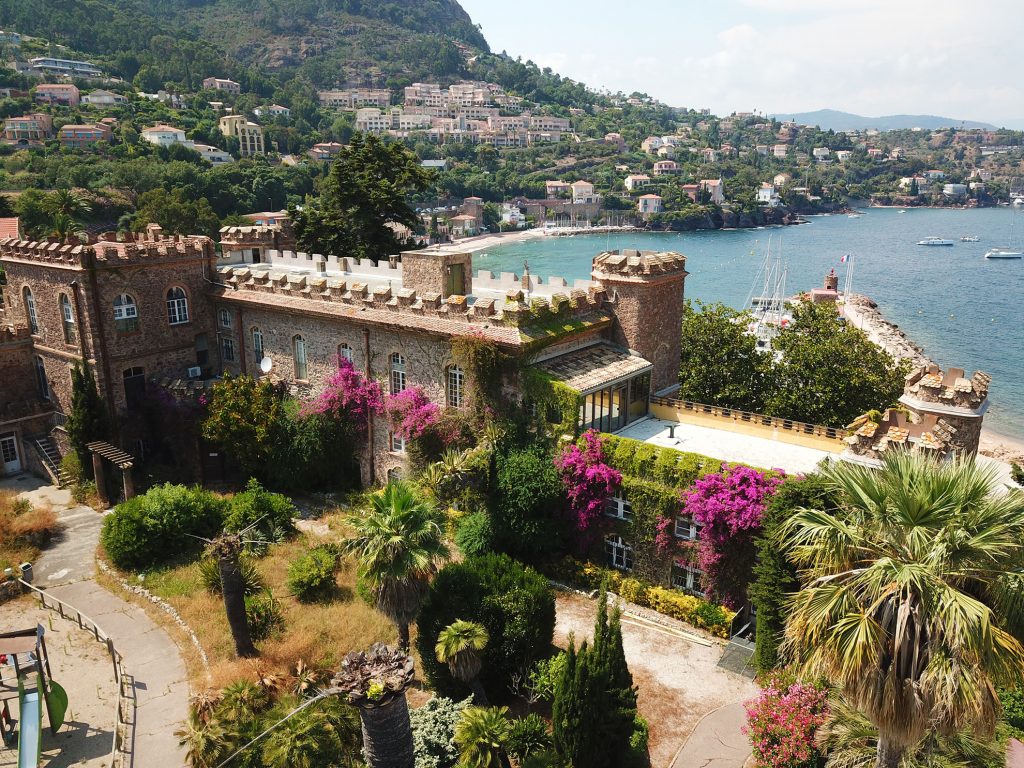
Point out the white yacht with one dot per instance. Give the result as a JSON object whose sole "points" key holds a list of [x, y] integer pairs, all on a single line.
{"points": [[1004, 253], [970, 239], [935, 241]]}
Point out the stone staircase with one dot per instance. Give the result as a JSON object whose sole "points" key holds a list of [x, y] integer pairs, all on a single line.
{"points": [[50, 457]]}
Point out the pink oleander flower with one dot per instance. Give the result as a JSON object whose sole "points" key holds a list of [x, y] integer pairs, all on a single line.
{"points": [[589, 482], [348, 395], [782, 723], [411, 413]]}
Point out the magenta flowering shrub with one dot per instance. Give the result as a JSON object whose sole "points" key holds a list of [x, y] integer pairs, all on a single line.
{"points": [[729, 506], [782, 722], [349, 396], [589, 482], [411, 413]]}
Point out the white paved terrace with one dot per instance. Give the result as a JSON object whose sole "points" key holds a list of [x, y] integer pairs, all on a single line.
{"points": [[727, 446]]}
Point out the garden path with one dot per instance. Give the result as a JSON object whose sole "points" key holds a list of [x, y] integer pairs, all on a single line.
{"points": [[67, 570], [676, 671]]}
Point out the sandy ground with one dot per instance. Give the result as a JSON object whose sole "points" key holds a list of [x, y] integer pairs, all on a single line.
{"points": [[83, 668], [679, 680], [480, 242]]}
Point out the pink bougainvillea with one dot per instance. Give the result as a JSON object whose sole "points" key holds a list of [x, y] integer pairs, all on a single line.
{"points": [[348, 395], [411, 413], [782, 723], [729, 506], [588, 480]]}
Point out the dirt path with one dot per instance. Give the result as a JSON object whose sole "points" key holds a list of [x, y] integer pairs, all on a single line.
{"points": [[679, 679]]}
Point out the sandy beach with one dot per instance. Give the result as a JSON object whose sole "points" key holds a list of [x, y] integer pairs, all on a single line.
{"points": [[480, 242]]}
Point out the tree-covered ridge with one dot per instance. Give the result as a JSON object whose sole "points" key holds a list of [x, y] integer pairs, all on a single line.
{"points": [[329, 41]]}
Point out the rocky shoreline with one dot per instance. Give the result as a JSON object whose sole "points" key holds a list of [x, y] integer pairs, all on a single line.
{"points": [[863, 313]]}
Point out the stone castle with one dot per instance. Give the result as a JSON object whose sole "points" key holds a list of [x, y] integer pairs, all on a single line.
{"points": [[148, 310]]}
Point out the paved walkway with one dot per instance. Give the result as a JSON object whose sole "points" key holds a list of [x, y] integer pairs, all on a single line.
{"points": [[717, 741], [67, 570]]}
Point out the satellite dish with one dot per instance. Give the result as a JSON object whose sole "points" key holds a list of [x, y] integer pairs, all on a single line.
{"points": [[266, 364]]}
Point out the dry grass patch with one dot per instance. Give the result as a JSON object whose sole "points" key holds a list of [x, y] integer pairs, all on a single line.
{"points": [[24, 529], [319, 634]]}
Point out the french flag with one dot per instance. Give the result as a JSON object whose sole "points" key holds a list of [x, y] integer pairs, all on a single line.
{"points": [[845, 258]]}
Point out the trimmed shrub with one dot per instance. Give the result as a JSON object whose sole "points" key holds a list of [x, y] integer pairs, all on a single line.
{"points": [[71, 468], [662, 465], [264, 615], [269, 512], [160, 526], [475, 534], [311, 576], [544, 676], [209, 574], [512, 601]]}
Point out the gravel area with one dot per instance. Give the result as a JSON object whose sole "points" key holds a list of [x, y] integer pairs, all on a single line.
{"points": [[679, 680]]}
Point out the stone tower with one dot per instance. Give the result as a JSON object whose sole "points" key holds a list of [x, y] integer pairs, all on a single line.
{"points": [[434, 270], [832, 281], [958, 403], [646, 290]]}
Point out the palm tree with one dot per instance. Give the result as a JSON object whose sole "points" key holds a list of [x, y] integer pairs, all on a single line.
{"points": [[481, 734], [459, 645], [325, 734], [63, 226], [912, 595], [399, 544], [227, 550], [205, 740], [67, 202], [851, 741]]}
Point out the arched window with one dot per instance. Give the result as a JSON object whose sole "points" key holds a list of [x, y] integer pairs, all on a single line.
{"points": [[177, 306], [397, 373], [299, 355], [257, 345], [344, 352], [126, 314], [44, 385], [67, 315], [456, 387], [620, 554], [30, 310]]}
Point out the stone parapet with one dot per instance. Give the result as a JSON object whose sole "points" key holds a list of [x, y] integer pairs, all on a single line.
{"points": [[929, 384], [631, 263], [110, 249]]}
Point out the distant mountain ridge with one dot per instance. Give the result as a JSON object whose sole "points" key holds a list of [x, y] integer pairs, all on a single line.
{"points": [[835, 120]]}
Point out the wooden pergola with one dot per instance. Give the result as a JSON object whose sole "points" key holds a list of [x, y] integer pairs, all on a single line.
{"points": [[123, 461]]}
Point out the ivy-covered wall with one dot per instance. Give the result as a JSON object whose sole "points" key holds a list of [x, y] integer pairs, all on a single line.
{"points": [[652, 480]]}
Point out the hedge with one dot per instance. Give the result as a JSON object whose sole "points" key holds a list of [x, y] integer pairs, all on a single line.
{"points": [[671, 602], [667, 466]]}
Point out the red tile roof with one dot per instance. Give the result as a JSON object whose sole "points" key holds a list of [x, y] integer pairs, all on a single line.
{"points": [[9, 227]]}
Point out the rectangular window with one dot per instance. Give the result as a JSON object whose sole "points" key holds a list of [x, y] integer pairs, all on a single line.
{"points": [[300, 358], [618, 508], [456, 384], [224, 317], [227, 347], [397, 381], [687, 528], [686, 578], [397, 444]]}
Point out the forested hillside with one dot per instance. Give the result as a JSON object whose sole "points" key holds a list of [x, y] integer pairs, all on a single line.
{"points": [[329, 41]]}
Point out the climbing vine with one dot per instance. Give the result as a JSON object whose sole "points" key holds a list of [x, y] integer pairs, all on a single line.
{"points": [[486, 368], [557, 404]]}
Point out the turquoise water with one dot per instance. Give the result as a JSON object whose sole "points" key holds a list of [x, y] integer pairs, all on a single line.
{"points": [[966, 311]]}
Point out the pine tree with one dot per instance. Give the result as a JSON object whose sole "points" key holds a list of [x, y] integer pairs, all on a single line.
{"points": [[89, 419]]}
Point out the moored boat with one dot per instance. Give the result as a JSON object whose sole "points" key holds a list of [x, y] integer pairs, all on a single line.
{"points": [[935, 241]]}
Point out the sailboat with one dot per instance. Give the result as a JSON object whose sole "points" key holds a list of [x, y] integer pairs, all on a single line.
{"points": [[769, 314], [1010, 251]]}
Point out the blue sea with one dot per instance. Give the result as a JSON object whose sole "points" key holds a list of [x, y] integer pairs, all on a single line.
{"points": [[966, 311]]}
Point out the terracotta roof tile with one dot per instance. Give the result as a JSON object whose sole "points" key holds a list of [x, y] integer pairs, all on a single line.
{"points": [[594, 367]]}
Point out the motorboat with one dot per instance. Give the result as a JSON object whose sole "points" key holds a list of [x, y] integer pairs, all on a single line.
{"points": [[1004, 253], [854, 215], [970, 239], [935, 241]]}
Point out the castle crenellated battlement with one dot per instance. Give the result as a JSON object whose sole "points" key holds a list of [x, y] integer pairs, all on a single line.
{"points": [[14, 335], [511, 309], [635, 263], [109, 249], [929, 384]]}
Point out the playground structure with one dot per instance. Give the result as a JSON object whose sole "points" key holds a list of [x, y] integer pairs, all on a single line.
{"points": [[25, 676]]}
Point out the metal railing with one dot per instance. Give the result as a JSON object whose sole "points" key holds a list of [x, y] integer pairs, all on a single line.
{"points": [[124, 714], [756, 419]]}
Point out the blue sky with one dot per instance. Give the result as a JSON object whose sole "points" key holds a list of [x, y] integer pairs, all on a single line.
{"points": [[946, 57]]}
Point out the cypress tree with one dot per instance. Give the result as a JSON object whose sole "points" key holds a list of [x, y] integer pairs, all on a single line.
{"points": [[89, 419], [774, 576], [566, 725]]}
